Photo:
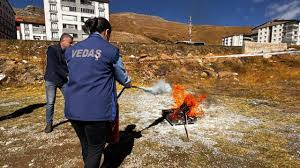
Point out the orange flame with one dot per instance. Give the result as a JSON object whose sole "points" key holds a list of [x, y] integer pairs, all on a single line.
{"points": [[181, 96]]}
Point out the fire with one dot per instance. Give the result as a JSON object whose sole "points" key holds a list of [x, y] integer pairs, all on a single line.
{"points": [[183, 98]]}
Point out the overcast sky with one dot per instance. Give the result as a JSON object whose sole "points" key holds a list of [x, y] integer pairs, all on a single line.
{"points": [[212, 12]]}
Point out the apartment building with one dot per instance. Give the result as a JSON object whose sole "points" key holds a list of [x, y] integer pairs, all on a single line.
{"points": [[291, 32], [270, 32], [278, 31], [30, 30], [7, 21], [68, 16], [236, 40]]}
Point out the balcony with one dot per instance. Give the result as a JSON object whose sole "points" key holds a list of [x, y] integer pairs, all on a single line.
{"points": [[53, 10], [289, 39], [55, 38], [54, 29], [289, 33], [101, 9], [53, 19], [292, 26], [38, 30], [70, 30], [53, 1]]}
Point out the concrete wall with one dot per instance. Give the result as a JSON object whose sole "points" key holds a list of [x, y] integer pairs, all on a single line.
{"points": [[253, 47]]}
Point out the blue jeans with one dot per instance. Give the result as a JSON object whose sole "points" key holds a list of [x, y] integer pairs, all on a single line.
{"points": [[51, 88]]}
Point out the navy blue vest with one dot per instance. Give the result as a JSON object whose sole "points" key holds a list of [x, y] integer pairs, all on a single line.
{"points": [[91, 90]]}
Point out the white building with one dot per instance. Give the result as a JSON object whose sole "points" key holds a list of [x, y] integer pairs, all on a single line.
{"points": [[278, 31], [236, 40], [291, 33], [68, 16], [30, 30]]}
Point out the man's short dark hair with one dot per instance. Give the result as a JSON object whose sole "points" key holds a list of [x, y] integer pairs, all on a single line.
{"points": [[65, 35]]}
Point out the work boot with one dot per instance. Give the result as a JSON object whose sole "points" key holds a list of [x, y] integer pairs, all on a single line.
{"points": [[48, 128]]}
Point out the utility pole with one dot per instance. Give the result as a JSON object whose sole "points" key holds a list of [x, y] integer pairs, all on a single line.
{"points": [[190, 29]]}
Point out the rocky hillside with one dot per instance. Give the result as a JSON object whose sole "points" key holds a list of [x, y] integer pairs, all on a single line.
{"points": [[31, 14], [162, 30]]}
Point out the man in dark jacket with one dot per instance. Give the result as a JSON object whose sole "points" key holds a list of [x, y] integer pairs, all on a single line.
{"points": [[56, 75]]}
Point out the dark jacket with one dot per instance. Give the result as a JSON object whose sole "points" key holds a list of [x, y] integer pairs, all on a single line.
{"points": [[94, 65], [56, 69]]}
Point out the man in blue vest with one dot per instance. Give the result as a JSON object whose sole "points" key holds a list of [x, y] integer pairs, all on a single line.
{"points": [[56, 75], [91, 99]]}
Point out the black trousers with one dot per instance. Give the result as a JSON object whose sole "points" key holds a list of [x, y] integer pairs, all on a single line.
{"points": [[92, 136]]}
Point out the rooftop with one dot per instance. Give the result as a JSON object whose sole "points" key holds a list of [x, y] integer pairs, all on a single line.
{"points": [[273, 23]]}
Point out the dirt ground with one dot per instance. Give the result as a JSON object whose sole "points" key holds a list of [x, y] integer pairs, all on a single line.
{"points": [[252, 114], [236, 131]]}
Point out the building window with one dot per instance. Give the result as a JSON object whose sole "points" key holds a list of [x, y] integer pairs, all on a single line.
{"points": [[69, 8], [84, 10], [86, 2], [54, 26], [296, 32], [102, 14], [54, 35], [36, 37], [53, 7], [69, 18], [83, 19], [69, 26], [53, 16]]}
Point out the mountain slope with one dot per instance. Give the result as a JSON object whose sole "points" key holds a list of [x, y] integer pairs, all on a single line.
{"points": [[159, 29], [31, 14]]}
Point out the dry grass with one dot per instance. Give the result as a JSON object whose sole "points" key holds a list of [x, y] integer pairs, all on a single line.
{"points": [[161, 30], [269, 141]]}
